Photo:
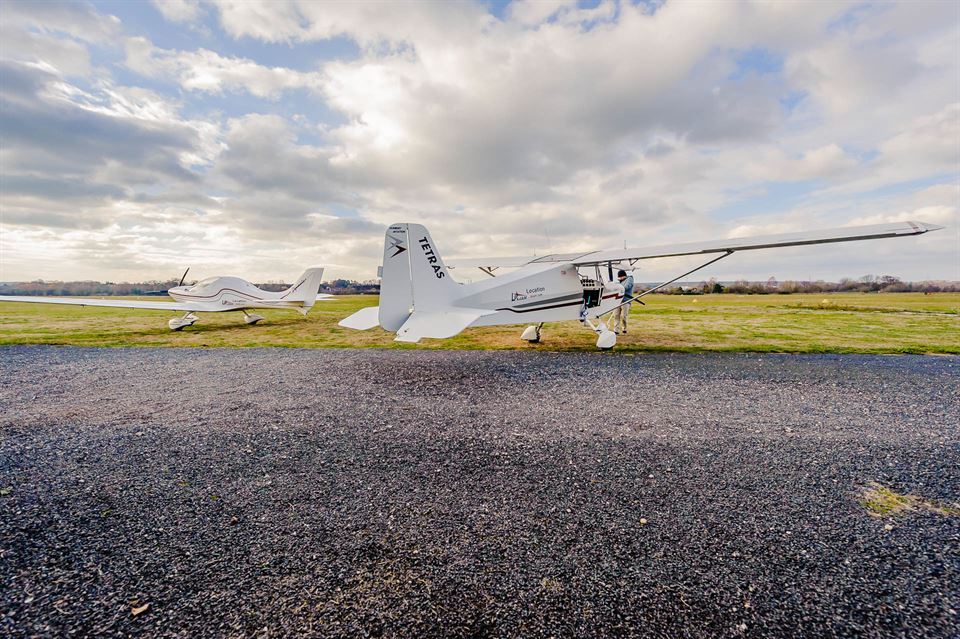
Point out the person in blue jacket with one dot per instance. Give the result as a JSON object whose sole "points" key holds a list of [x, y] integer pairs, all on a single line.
{"points": [[621, 312]]}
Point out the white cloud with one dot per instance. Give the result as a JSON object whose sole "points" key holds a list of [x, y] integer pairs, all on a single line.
{"points": [[369, 23], [65, 54], [534, 12], [941, 215], [555, 127], [77, 19], [205, 70], [180, 11], [930, 139]]}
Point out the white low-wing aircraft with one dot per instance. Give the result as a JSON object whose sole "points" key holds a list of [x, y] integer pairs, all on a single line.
{"points": [[419, 298], [212, 295]]}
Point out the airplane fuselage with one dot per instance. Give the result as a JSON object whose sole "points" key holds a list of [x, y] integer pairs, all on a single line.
{"points": [[231, 294], [540, 293]]}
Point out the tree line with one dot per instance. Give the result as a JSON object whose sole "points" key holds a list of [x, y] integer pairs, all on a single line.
{"points": [[156, 287], [865, 284]]}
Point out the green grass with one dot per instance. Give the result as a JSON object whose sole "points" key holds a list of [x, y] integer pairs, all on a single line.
{"points": [[802, 323], [881, 501]]}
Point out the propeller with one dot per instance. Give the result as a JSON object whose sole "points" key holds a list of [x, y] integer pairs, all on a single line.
{"points": [[180, 283]]}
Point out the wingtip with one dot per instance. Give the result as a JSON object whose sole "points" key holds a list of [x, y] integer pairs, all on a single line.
{"points": [[927, 227]]}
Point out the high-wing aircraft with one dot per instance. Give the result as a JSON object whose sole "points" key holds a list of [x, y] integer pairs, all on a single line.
{"points": [[419, 298], [211, 295]]}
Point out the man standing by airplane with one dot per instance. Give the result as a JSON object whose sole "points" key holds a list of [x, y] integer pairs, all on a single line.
{"points": [[621, 312]]}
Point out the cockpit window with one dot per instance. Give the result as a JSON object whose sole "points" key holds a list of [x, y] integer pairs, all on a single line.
{"points": [[205, 282]]}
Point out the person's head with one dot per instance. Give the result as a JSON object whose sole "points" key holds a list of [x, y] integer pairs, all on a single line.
{"points": [[621, 275]]}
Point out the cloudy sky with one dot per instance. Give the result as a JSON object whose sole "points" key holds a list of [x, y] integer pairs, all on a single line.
{"points": [[256, 138]]}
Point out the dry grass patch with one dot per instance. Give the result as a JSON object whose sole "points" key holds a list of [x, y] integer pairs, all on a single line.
{"points": [[881, 501]]}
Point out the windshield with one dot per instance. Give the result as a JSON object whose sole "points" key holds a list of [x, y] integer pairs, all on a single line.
{"points": [[205, 282]]}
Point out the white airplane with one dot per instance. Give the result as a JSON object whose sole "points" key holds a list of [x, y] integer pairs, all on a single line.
{"points": [[419, 298], [212, 295]]}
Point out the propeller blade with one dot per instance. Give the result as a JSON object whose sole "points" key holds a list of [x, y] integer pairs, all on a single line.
{"points": [[184, 276]]}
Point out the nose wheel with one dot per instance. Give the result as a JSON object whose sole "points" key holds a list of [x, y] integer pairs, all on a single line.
{"points": [[606, 339]]}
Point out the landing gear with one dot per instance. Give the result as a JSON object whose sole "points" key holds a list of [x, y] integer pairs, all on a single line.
{"points": [[532, 333], [251, 318], [606, 339], [178, 323]]}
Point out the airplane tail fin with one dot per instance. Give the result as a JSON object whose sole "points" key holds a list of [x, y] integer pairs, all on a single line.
{"points": [[414, 276], [305, 288]]}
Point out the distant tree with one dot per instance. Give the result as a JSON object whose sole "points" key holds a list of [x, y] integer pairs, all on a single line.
{"points": [[739, 287], [847, 284], [788, 287]]}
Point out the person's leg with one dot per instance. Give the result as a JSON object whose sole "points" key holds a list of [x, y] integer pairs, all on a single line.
{"points": [[616, 319], [625, 311]]}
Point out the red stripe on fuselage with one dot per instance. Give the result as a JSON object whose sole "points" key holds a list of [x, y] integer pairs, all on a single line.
{"points": [[547, 308], [252, 297]]}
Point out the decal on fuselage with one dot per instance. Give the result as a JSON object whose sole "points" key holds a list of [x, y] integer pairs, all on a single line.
{"points": [[519, 296], [432, 258]]}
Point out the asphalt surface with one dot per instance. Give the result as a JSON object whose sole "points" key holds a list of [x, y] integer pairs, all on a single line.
{"points": [[426, 493]]}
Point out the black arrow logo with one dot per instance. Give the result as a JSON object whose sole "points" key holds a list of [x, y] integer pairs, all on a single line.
{"points": [[395, 243]]}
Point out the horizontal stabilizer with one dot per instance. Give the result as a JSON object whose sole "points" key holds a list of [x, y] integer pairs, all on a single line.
{"points": [[438, 324], [91, 301], [364, 319]]}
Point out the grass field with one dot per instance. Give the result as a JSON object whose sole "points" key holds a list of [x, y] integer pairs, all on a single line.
{"points": [[823, 323]]}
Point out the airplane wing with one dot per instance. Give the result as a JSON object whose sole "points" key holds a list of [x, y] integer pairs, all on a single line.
{"points": [[89, 301], [438, 324], [824, 236]]}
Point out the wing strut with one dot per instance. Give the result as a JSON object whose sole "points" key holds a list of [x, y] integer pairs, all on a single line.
{"points": [[659, 286]]}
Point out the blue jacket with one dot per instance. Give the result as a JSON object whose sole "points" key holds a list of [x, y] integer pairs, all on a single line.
{"points": [[628, 286]]}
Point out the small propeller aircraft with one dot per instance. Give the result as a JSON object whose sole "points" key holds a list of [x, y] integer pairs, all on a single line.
{"points": [[419, 298], [211, 295]]}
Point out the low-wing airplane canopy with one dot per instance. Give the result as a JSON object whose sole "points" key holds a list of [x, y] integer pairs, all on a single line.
{"points": [[615, 256]]}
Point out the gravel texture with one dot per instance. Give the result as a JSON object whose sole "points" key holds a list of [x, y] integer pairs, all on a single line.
{"points": [[427, 493]]}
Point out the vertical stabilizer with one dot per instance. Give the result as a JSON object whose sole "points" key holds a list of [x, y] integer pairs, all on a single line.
{"points": [[305, 288], [414, 276]]}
